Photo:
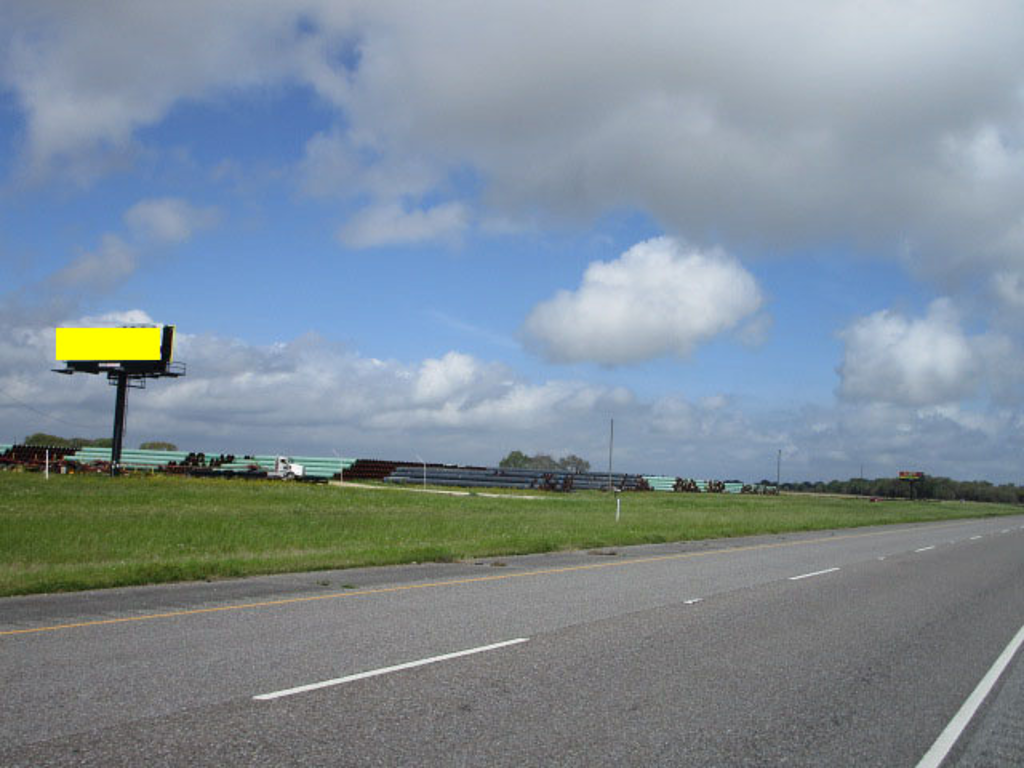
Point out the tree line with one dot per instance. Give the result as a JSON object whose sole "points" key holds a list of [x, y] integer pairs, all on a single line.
{"points": [[544, 462], [938, 488], [43, 440]]}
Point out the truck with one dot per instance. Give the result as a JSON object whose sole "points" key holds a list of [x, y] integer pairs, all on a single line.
{"points": [[286, 469]]}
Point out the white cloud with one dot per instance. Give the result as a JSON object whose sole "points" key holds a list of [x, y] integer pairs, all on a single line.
{"points": [[329, 167], [115, 319], [99, 270], [309, 397], [1008, 286], [926, 361], [786, 124], [439, 380], [168, 219], [884, 438], [895, 128], [392, 224], [88, 78], [151, 223], [892, 126], [659, 298], [309, 390]]}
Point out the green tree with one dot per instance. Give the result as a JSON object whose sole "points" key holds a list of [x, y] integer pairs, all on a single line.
{"points": [[51, 441], [515, 460], [56, 441], [573, 463], [544, 462], [158, 445]]}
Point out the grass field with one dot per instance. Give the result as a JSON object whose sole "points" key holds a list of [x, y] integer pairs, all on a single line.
{"points": [[81, 532]]}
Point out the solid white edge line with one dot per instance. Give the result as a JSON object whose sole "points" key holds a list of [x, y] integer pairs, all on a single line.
{"points": [[948, 738], [385, 670], [816, 573], [925, 549]]}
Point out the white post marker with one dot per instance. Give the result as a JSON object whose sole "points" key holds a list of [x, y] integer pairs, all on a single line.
{"points": [[618, 507], [47, 473]]}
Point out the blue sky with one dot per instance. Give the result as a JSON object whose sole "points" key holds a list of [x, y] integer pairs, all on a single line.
{"points": [[458, 231]]}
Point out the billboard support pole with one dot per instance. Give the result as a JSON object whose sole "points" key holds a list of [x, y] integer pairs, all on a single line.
{"points": [[127, 356], [119, 413]]}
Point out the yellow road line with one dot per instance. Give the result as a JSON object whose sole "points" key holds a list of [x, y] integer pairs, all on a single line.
{"points": [[453, 582]]}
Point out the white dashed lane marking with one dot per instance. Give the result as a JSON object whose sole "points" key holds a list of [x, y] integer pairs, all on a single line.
{"points": [[816, 573]]}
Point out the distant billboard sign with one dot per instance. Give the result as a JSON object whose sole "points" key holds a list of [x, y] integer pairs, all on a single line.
{"points": [[911, 475], [133, 348]]}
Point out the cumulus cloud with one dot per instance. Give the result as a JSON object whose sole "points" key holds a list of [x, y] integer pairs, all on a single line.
{"points": [[715, 436], [308, 396], [99, 270], [392, 224], [659, 298], [1008, 286], [883, 438], [450, 376], [891, 126], [781, 125], [88, 80], [32, 397], [308, 392], [924, 361], [168, 219], [151, 223]]}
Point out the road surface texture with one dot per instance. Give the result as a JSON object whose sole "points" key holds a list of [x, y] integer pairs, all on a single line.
{"points": [[844, 648]]}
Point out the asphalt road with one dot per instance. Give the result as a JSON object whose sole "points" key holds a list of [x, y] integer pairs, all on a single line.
{"points": [[839, 648]]}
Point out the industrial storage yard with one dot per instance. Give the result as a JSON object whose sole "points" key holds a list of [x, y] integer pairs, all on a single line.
{"points": [[323, 469]]}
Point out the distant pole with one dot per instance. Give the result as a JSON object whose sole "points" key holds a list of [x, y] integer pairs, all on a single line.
{"points": [[611, 445], [778, 469]]}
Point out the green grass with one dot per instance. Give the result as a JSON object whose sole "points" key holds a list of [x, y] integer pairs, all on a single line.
{"points": [[82, 532]]}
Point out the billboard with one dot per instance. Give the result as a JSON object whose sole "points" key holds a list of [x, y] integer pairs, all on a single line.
{"points": [[138, 349], [905, 475]]}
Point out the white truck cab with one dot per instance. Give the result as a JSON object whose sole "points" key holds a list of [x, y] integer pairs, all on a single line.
{"points": [[285, 469]]}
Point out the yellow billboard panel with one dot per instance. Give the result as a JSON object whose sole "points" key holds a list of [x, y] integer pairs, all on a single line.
{"points": [[109, 344]]}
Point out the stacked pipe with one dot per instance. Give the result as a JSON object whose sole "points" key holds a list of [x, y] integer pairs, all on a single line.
{"points": [[524, 479], [33, 456]]}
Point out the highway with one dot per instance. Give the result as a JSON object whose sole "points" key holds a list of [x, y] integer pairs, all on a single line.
{"points": [[838, 648]]}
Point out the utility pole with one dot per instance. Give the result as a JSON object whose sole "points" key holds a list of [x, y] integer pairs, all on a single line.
{"points": [[611, 444], [778, 469]]}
